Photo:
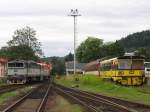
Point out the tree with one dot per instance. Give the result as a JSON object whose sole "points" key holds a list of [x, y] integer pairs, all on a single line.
{"points": [[22, 52], [146, 52], [89, 50], [114, 50], [136, 40], [58, 65], [69, 57], [26, 36]]}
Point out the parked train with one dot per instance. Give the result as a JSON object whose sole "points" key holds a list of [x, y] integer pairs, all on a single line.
{"points": [[147, 72], [21, 71], [126, 70], [147, 69]]}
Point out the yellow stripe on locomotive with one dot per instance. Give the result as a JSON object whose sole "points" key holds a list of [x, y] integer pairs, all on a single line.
{"points": [[126, 70]]}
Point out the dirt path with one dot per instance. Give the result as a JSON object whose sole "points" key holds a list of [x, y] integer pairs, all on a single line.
{"points": [[57, 103]]}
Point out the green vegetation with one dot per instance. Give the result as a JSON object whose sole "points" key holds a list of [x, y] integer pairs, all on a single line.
{"points": [[94, 48], [58, 65], [136, 40], [9, 95], [139, 41], [23, 40], [96, 84], [89, 49], [3, 81], [69, 57]]}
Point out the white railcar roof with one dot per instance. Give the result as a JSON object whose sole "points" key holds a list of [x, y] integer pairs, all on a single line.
{"points": [[22, 61]]}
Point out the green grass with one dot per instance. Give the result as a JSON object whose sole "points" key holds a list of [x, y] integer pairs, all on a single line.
{"points": [[7, 96], [3, 81], [96, 84]]}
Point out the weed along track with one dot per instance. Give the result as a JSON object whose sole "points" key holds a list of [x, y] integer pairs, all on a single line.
{"points": [[13, 87], [98, 103], [9, 88], [43, 97], [34, 101]]}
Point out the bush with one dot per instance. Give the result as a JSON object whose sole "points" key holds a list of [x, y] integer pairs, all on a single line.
{"points": [[3, 80]]}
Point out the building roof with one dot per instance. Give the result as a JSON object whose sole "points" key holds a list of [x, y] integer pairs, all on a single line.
{"points": [[70, 65]]}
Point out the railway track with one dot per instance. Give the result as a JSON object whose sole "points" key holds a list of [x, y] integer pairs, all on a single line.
{"points": [[131, 105], [8, 88], [34, 101], [99, 103], [13, 87]]}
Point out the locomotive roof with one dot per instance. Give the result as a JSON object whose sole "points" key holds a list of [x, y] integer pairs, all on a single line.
{"points": [[109, 60], [22, 61], [123, 57], [131, 57]]}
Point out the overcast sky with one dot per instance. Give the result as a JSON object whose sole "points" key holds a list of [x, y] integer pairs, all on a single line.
{"points": [[106, 19]]}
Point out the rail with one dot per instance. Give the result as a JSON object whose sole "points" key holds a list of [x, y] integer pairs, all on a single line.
{"points": [[105, 103], [40, 95]]}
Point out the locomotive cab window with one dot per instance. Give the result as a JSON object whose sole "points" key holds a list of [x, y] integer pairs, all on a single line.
{"points": [[15, 65], [124, 64], [138, 64], [11, 64], [19, 64]]}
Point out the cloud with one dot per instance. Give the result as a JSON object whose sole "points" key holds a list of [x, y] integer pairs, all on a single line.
{"points": [[57, 48], [108, 20]]}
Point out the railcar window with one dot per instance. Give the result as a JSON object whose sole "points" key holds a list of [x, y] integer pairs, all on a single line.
{"points": [[15, 64], [33, 65], [147, 65], [19, 64], [138, 64], [106, 66], [114, 66], [11, 65], [124, 64]]}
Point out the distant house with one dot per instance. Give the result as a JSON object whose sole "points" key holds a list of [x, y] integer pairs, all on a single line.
{"points": [[70, 67], [3, 67]]}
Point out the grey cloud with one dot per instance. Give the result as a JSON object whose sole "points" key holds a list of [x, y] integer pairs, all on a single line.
{"points": [[109, 20], [57, 48]]}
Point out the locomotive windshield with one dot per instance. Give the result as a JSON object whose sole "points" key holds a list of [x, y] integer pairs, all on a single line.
{"points": [[134, 64], [17, 64], [138, 64]]}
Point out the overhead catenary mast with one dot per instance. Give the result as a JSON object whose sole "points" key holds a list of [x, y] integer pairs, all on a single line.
{"points": [[74, 13]]}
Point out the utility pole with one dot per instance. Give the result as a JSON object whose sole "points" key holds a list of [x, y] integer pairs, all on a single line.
{"points": [[74, 13]]}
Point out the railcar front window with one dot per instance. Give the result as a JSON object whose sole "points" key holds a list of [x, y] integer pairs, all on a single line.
{"points": [[19, 64], [124, 64], [15, 65], [11, 64], [138, 64]]}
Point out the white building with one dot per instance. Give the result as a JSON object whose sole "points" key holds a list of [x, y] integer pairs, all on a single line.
{"points": [[70, 67]]}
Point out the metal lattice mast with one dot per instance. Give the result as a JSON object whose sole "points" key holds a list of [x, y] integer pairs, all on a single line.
{"points": [[74, 13]]}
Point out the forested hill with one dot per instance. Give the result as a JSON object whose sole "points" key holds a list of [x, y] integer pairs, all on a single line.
{"points": [[136, 40]]}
